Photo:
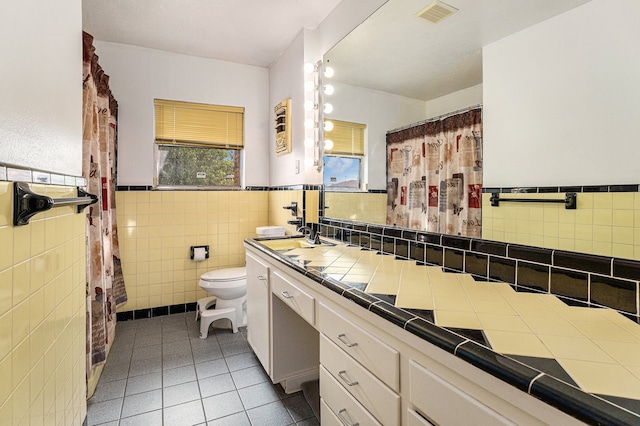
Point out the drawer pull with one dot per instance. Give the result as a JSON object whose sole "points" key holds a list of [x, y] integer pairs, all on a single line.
{"points": [[262, 278], [343, 338], [343, 375], [286, 295], [346, 420]]}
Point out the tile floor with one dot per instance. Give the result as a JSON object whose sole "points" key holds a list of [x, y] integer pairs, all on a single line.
{"points": [[159, 372]]}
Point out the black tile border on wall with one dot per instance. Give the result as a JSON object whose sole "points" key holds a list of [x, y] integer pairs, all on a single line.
{"points": [[558, 189], [569, 275]]}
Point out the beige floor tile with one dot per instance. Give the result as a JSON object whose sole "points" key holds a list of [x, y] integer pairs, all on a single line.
{"points": [[503, 322], [604, 330], [575, 348], [625, 353], [602, 378], [514, 343], [457, 319]]}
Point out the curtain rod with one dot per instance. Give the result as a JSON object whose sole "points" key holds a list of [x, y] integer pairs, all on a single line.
{"points": [[439, 117]]}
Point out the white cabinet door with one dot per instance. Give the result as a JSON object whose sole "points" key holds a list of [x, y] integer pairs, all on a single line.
{"points": [[258, 294]]}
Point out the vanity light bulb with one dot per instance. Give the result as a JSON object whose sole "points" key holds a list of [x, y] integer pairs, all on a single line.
{"points": [[328, 72], [308, 143], [328, 144], [328, 108], [308, 67], [309, 123], [328, 89], [309, 86], [308, 105], [328, 126]]}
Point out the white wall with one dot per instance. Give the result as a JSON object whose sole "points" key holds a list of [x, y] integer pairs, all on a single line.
{"points": [[455, 101], [381, 112], [138, 75], [41, 85], [562, 100], [286, 81]]}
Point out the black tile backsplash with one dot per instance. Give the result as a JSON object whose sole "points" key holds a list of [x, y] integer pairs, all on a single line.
{"points": [[454, 259], [533, 254], [533, 276], [583, 262], [578, 279], [502, 269], [571, 284], [614, 293]]}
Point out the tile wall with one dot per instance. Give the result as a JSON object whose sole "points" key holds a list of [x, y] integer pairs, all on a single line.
{"points": [[279, 216], [365, 206], [42, 313], [157, 228], [604, 223]]}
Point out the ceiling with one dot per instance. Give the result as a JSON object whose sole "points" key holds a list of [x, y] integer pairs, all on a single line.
{"points": [[253, 32], [396, 52]]}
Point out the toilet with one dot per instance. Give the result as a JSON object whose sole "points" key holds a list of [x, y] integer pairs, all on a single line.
{"points": [[228, 290]]}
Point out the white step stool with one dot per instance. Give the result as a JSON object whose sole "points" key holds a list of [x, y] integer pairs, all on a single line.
{"points": [[210, 315], [203, 304]]}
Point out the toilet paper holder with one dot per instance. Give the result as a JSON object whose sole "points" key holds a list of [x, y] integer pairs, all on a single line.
{"points": [[206, 251]]}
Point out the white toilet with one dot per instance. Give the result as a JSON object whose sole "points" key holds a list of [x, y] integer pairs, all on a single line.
{"points": [[228, 290]]}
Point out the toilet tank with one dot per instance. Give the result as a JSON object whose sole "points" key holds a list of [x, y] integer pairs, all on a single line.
{"points": [[270, 231]]}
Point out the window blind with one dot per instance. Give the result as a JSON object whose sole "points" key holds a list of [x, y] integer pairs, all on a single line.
{"points": [[187, 123], [348, 138]]}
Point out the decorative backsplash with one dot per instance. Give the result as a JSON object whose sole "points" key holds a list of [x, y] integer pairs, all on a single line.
{"points": [[576, 278]]}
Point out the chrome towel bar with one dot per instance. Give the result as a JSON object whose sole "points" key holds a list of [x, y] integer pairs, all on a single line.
{"points": [[27, 203]]}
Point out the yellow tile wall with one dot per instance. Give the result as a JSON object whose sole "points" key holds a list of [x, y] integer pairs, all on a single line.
{"points": [[605, 224], [157, 228], [279, 216], [364, 207], [42, 314]]}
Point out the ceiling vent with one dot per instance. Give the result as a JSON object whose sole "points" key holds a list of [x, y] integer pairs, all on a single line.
{"points": [[436, 12]]}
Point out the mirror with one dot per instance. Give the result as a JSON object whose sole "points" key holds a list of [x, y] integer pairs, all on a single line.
{"points": [[395, 69]]}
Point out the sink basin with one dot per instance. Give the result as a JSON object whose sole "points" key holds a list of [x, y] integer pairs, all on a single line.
{"points": [[290, 243], [287, 244]]}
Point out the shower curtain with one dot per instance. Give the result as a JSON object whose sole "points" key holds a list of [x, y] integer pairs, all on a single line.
{"points": [[434, 172], [105, 283]]}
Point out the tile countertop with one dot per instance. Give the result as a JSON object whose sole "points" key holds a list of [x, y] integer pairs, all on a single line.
{"points": [[584, 361]]}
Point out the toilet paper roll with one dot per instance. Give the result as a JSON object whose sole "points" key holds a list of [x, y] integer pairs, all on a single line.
{"points": [[199, 254]]}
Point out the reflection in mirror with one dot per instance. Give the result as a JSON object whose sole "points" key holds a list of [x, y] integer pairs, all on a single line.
{"points": [[386, 82]]}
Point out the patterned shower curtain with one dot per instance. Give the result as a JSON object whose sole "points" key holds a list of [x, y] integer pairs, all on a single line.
{"points": [[434, 173], [105, 283]]}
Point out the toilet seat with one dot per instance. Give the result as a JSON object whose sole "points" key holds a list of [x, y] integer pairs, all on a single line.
{"points": [[229, 274]]}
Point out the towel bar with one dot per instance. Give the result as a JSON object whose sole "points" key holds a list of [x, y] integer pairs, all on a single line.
{"points": [[569, 200], [27, 203]]}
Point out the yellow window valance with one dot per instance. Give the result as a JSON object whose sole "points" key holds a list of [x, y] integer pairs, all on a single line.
{"points": [[347, 137], [188, 123]]}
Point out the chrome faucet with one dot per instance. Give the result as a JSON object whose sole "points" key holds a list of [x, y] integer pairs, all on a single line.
{"points": [[311, 236]]}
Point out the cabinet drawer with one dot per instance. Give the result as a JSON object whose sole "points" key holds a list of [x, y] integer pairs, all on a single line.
{"points": [[415, 419], [296, 299], [378, 357], [446, 404], [327, 416], [342, 403], [382, 402]]}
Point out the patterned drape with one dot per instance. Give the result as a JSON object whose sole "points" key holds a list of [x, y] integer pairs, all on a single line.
{"points": [[105, 283], [434, 173]]}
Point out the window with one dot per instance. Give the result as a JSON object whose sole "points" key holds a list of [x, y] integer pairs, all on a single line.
{"points": [[197, 145], [343, 162]]}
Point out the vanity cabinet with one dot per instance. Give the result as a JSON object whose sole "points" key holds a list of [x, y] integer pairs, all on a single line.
{"points": [[371, 371], [258, 295]]}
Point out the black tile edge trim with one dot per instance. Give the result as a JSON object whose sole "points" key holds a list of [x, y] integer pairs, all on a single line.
{"points": [[360, 297], [391, 313], [533, 254], [623, 268], [507, 369], [489, 247], [553, 189], [435, 335], [585, 262], [156, 311], [454, 241], [124, 316], [581, 405]]}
